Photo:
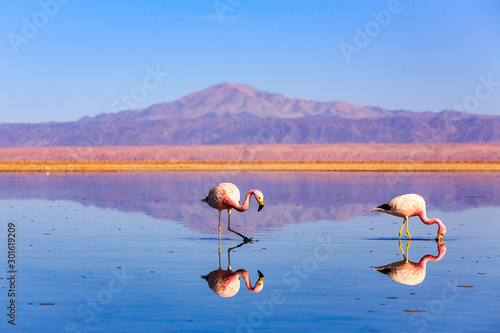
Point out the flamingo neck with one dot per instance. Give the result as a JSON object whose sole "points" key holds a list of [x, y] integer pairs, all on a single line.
{"points": [[246, 203], [423, 262], [441, 228], [424, 218], [426, 258], [246, 277], [427, 220]]}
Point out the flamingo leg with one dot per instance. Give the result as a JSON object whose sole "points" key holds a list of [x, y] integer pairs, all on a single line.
{"points": [[219, 249], [245, 239], [219, 229], [219, 255], [407, 232], [407, 248], [229, 258], [229, 253], [405, 255], [401, 230], [401, 248]]}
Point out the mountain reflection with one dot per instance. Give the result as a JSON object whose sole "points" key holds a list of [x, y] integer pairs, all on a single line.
{"points": [[226, 283], [291, 197], [408, 272]]}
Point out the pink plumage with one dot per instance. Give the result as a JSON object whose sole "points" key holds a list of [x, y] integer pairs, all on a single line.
{"points": [[227, 196], [409, 205], [410, 273], [226, 283]]}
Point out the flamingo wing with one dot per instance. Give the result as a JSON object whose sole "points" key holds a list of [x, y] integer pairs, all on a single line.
{"points": [[385, 207], [224, 283], [223, 196], [407, 205], [229, 194], [408, 273]]}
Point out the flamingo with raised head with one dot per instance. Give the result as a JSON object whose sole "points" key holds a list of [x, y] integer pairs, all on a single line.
{"points": [[409, 205], [226, 283], [227, 196], [407, 272]]}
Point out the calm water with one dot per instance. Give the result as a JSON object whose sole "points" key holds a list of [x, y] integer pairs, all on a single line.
{"points": [[124, 252]]}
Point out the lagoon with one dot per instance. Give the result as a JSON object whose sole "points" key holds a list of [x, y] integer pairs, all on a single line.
{"points": [[124, 252]]}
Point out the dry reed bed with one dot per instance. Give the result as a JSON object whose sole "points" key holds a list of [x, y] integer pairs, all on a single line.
{"points": [[114, 166]]}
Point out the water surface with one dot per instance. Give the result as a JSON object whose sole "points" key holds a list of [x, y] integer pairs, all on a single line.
{"points": [[124, 252]]}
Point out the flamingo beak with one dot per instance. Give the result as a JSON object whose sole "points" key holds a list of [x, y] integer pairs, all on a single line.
{"points": [[261, 276], [439, 239], [261, 205]]}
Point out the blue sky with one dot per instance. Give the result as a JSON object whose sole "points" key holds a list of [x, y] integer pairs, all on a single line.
{"points": [[61, 60]]}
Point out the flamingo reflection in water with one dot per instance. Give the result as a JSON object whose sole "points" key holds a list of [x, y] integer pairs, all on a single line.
{"points": [[226, 283], [227, 196], [407, 272]]}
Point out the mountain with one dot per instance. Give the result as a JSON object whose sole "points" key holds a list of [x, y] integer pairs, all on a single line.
{"points": [[239, 114], [241, 101]]}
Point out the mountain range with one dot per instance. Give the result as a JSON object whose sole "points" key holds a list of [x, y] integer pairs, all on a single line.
{"points": [[239, 114]]}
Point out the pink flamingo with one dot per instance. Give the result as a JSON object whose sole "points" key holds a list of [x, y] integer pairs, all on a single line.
{"points": [[226, 283], [407, 272], [409, 205], [227, 196]]}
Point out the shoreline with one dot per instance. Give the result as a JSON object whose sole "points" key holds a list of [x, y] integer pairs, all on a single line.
{"points": [[347, 166]]}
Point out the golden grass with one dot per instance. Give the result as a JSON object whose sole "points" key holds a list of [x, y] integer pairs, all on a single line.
{"points": [[114, 166]]}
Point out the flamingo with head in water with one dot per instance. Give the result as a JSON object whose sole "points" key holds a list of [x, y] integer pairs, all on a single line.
{"points": [[409, 205], [407, 272], [227, 196], [226, 283]]}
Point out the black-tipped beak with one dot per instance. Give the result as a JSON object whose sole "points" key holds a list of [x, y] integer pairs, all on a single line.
{"points": [[260, 207], [261, 276]]}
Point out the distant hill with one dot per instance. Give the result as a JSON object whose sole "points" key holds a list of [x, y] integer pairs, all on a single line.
{"points": [[435, 152], [239, 114]]}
